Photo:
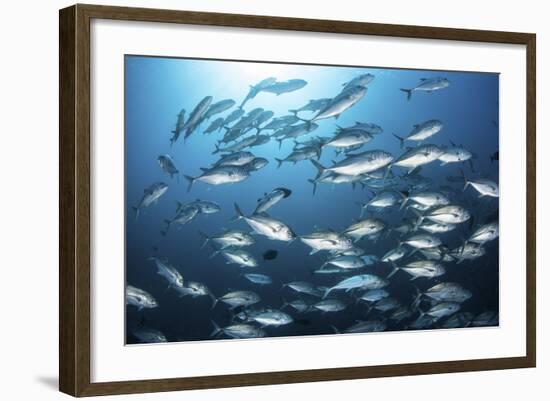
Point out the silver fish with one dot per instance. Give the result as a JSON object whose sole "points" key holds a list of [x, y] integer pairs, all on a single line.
{"points": [[348, 138], [422, 131], [394, 254], [239, 330], [257, 278], [374, 295], [295, 131], [271, 199], [327, 241], [350, 261], [237, 146], [167, 165], [386, 304], [247, 120], [447, 292], [273, 318], [329, 305], [219, 175], [428, 199], [468, 251], [238, 298], [383, 199], [214, 126], [450, 214], [455, 154], [218, 107], [183, 216], [484, 187], [298, 305], [235, 159], [196, 116], [341, 103], [237, 256], [313, 105], [150, 196], [485, 233], [195, 289], [278, 88], [365, 227], [421, 241], [149, 336], [427, 85], [357, 164], [281, 122], [140, 298], [233, 116], [229, 239], [256, 164], [169, 272], [304, 287], [255, 89], [203, 206], [360, 80], [301, 154], [421, 268], [180, 126], [419, 156], [267, 226], [363, 281], [442, 309]]}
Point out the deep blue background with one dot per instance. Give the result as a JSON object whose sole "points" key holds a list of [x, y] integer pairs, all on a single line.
{"points": [[157, 88]]}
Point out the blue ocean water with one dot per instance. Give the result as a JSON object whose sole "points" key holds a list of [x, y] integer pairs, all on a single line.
{"points": [[157, 88]]}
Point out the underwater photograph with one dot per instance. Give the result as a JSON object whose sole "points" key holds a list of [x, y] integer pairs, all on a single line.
{"points": [[267, 199]]}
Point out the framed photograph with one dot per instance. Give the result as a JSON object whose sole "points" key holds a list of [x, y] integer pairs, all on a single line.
{"points": [[299, 200]]}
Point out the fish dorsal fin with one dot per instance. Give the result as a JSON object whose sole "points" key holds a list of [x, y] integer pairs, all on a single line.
{"points": [[204, 169], [416, 125], [423, 79]]}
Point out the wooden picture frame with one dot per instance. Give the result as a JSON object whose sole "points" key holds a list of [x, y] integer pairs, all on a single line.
{"points": [[74, 195]]}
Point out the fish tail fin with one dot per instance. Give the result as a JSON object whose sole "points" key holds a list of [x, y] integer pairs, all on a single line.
{"points": [[136, 212], [335, 329], [285, 303], [280, 140], [320, 168], [419, 219], [295, 112], [395, 270], [239, 212], [466, 182], [191, 181], [206, 239], [217, 329], [314, 183], [363, 206], [405, 200], [408, 92], [417, 298], [279, 162], [327, 291], [217, 146], [400, 139]]}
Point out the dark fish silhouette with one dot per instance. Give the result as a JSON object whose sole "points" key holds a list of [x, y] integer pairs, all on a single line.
{"points": [[303, 322], [494, 157], [270, 254]]}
